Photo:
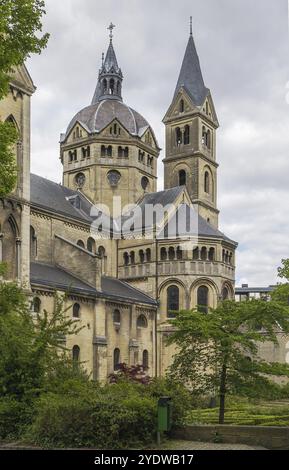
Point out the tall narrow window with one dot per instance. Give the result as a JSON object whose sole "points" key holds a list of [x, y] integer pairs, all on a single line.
{"points": [[132, 257], [212, 254], [111, 86], [109, 151], [182, 178], [173, 301], [225, 293], [141, 322], [202, 299], [91, 245], [148, 255], [75, 354], [102, 151], [178, 136], [126, 259], [33, 243], [36, 305], [207, 182], [141, 256], [116, 359], [76, 310], [164, 256], [187, 135], [196, 254], [116, 316], [145, 359]]}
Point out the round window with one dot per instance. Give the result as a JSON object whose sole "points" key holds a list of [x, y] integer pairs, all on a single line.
{"points": [[80, 180], [113, 177], [144, 182]]}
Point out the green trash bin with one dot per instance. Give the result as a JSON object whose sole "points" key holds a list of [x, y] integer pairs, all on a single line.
{"points": [[164, 414]]}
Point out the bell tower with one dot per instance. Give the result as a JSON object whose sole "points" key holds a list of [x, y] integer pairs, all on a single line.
{"points": [[191, 123]]}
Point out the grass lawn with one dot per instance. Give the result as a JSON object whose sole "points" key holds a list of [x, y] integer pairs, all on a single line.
{"points": [[243, 412]]}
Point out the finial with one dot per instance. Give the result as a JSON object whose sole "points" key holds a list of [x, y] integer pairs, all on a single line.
{"points": [[111, 26], [102, 59], [191, 25]]}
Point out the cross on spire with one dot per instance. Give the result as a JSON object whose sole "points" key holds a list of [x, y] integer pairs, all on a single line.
{"points": [[191, 25], [110, 28]]}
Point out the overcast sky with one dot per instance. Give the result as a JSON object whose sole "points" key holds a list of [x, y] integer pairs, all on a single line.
{"points": [[243, 49]]}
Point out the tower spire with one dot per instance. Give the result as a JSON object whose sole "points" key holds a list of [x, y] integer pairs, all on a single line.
{"points": [[191, 26], [110, 75]]}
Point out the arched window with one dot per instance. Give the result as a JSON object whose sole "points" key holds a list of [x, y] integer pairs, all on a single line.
{"points": [[182, 106], [102, 151], [132, 257], [81, 244], [207, 182], [173, 301], [209, 139], [204, 253], [33, 243], [101, 251], [109, 151], [171, 253], [118, 88], [182, 178], [104, 86], [36, 305], [196, 254], [111, 86], [141, 256], [91, 245], [202, 299], [126, 259], [116, 359], [179, 253], [141, 322], [76, 354], [116, 316], [119, 152], [187, 135], [76, 311], [178, 136], [212, 254], [144, 182], [164, 254], [148, 255], [145, 359], [126, 151], [225, 293]]}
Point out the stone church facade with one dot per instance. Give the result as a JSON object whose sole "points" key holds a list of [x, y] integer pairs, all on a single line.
{"points": [[90, 237]]}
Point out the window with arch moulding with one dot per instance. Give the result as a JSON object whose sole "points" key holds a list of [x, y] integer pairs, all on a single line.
{"points": [[173, 301]]}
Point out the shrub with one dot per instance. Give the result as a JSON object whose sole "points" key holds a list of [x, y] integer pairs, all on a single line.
{"points": [[14, 417], [114, 416]]}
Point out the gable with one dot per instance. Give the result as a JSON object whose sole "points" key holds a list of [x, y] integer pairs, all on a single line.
{"points": [[208, 109], [149, 139], [78, 131], [181, 104], [21, 79], [114, 128]]}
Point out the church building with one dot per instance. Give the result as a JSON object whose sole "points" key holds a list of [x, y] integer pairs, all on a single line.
{"points": [[104, 236]]}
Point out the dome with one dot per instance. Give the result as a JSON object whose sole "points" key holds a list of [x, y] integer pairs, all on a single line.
{"points": [[97, 116]]}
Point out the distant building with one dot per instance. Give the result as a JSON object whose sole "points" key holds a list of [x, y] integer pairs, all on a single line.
{"points": [[245, 292]]}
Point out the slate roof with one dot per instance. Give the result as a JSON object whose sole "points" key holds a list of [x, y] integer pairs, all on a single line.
{"points": [[54, 197], [53, 276], [191, 77], [100, 114]]}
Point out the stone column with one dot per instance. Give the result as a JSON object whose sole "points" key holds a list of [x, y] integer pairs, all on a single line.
{"points": [[18, 259], [1, 247]]}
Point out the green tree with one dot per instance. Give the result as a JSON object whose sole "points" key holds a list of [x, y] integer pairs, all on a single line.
{"points": [[20, 23], [30, 347], [281, 292], [218, 352]]}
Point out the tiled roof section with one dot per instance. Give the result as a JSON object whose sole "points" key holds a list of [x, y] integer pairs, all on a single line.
{"points": [[98, 115], [54, 277], [52, 196], [189, 223], [115, 287], [191, 77]]}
